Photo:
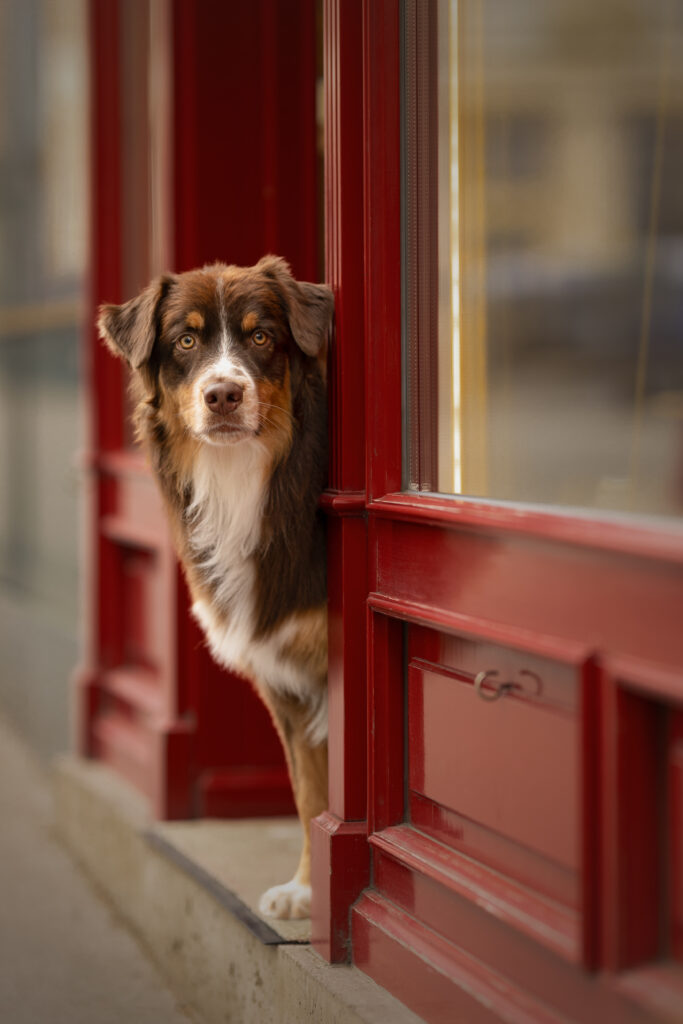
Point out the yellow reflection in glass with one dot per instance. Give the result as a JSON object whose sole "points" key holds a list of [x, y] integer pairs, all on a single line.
{"points": [[561, 252]]}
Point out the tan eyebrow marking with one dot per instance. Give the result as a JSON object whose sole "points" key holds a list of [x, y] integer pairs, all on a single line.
{"points": [[249, 322], [195, 319]]}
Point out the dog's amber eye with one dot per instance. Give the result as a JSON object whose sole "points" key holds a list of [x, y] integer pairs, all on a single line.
{"points": [[187, 342], [259, 338]]}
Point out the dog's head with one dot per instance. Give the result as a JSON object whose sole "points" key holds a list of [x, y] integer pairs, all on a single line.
{"points": [[218, 351]]}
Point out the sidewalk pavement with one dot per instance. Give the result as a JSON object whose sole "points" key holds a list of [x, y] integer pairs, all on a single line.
{"points": [[64, 957]]}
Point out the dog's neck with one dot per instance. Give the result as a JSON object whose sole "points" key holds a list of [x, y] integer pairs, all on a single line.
{"points": [[228, 487]]}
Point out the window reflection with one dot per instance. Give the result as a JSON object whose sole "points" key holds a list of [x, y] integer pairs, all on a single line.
{"points": [[560, 352]]}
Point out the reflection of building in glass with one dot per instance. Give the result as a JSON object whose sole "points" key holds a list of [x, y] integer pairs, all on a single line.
{"points": [[578, 111]]}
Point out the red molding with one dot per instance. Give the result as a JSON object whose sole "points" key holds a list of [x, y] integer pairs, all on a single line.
{"points": [[441, 982], [547, 922], [340, 856], [386, 731], [382, 212], [656, 681], [343, 503], [243, 792], [464, 625], [609, 605], [342, 31], [631, 880], [341, 865], [657, 540]]}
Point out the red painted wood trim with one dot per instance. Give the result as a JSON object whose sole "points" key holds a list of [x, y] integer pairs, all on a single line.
{"points": [[129, 532], [135, 685], [651, 539], [343, 502], [615, 605], [420, 232], [656, 681], [434, 978], [471, 626], [590, 812], [341, 868], [382, 210], [443, 982], [244, 792], [123, 462], [340, 856], [492, 850], [347, 539], [630, 870], [386, 722], [342, 21], [545, 921]]}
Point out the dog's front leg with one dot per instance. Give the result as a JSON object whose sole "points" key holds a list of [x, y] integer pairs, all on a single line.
{"points": [[308, 773]]}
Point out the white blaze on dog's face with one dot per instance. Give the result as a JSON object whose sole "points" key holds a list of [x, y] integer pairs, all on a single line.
{"points": [[220, 344]]}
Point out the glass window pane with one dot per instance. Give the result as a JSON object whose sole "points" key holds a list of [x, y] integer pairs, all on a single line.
{"points": [[556, 267]]}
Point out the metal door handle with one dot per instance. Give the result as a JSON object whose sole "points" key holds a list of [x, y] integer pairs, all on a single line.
{"points": [[499, 690]]}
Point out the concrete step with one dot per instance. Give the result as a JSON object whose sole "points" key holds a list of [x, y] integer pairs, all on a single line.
{"points": [[189, 890], [65, 957]]}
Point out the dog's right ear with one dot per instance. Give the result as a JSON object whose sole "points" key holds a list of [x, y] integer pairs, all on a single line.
{"points": [[129, 330]]}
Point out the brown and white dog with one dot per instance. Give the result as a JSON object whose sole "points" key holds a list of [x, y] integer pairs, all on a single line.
{"points": [[229, 374]]}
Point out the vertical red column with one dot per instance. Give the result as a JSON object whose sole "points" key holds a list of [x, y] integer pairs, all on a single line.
{"points": [[340, 852], [104, 381], [209, 109]]}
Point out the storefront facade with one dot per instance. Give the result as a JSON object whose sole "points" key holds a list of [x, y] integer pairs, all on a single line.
{"points": [[502, 232]]}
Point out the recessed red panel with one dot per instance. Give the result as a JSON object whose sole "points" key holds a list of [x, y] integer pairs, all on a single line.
{"points": [[509, 765], [676, 832]]}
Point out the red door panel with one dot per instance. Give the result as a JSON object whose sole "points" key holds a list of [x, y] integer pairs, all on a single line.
{"points": [[495, 774], [675, 811], [509, 765]]}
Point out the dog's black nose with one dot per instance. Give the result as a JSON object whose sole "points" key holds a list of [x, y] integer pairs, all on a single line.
{"points": [[223, 397]]}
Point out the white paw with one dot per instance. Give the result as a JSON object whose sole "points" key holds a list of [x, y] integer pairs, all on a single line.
{"points": [[291, 900]]}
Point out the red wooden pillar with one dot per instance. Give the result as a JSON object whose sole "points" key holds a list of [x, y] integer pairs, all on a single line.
{"points": [[339, 847], [203, 149]]}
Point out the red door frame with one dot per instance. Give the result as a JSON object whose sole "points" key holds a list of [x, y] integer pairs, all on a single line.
{"points": [[150, 702], [599, 600]]}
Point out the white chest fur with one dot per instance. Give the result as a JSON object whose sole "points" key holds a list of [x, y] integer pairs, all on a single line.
{"points": [[224, 522], [229, 485]]}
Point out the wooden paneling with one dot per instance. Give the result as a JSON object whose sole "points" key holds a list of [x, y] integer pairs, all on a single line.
{"points": [[510, 766], [239, 179], [675, 824]]}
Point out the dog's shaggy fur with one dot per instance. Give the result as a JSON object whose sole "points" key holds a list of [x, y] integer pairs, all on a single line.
{"points": [[229, 374]]}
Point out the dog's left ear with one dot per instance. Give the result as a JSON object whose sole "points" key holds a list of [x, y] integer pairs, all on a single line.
{"points": [[129, 330], [310, 306]]}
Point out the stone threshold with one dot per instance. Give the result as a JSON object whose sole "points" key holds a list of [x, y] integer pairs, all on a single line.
{"points": [[189, 891]]}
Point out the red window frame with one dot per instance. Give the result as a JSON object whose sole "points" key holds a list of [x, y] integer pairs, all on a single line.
{"points": [[601, 597]]}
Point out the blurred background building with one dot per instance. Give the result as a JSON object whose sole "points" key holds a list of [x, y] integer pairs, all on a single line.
{"points": [[44, 207]]}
